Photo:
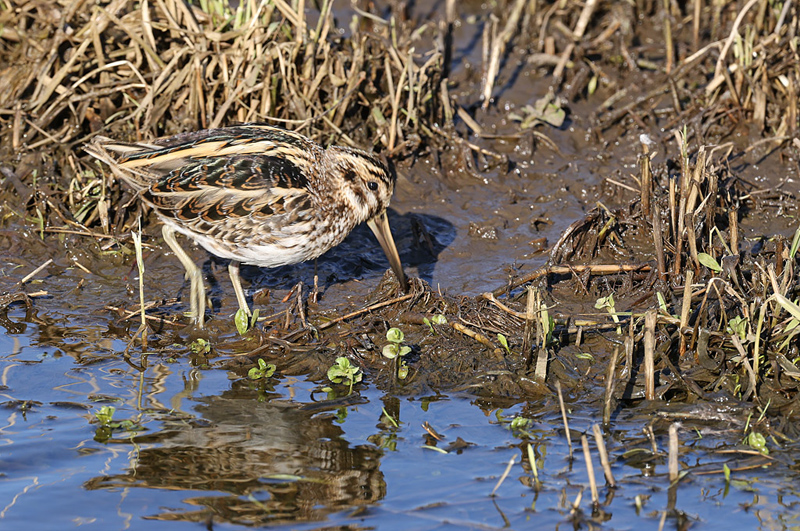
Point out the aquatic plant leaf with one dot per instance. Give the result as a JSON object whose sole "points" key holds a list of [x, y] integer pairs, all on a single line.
{"points": [[709, 261]]}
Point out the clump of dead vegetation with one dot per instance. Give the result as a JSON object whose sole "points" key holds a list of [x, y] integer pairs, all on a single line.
{"points": [[367, 76], [136, 70], [139, 69]]}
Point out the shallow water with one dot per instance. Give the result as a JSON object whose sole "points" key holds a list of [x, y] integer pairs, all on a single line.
{"points": [[206, 448]]}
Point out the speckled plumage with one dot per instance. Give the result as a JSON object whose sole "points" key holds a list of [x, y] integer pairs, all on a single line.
{"points": [[255, 194]]}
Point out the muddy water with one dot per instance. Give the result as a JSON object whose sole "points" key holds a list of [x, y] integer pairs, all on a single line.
{"points": [[192, 442]]}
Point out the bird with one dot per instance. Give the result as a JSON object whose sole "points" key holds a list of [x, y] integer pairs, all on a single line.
{"points": [[256, 195]]}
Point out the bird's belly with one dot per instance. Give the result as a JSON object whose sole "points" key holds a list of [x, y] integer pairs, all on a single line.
{"points": [[270, 250]]}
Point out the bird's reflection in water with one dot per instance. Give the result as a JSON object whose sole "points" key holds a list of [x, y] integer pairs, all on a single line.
{"points": [[261, 463]]}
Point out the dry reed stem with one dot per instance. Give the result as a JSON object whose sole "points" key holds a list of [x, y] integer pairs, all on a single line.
{"points": [[649, 353], [686, 308], [564, 416], [529, 332], [673, 453], [504, 475], [587, 456], [601, 450], [498, 48], [668, 46], [609, 391]]}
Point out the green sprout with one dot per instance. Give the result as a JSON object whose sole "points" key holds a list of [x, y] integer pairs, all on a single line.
{"points": [[395, 347], [709, 261], [503, 341], [263, 371], [105, 416], [437, 319], [245, 322], [200, 346], [342, 371], [395, 350], [607, 303]]}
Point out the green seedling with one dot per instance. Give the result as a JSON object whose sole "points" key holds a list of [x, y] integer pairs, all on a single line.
{"points": [[437, 319], [105, 416], [738, 326], [395, 347], [520, 423], [343, 372], [395, 350], [608, 304], [709, 261], [757, 441], [503, 341], [200, 346], [244, 322], [263, 371]]}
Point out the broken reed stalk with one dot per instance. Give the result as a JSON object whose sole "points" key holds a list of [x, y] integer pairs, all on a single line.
{"points": [[564, 416], [137, 244], [686, 308], [649, 353], [698, 6], [601, 450], [505, 474], [733, 224], [528, 334], [680, 206], [612, 368], [498, 48], [670, 51], [646, 172], [587, 456], [673, 452], [35, 271], [658, 241], [540, 373]]}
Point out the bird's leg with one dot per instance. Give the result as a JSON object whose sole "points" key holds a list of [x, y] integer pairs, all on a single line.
{"points": [[315, 292], [233, 270], [198, 290]]}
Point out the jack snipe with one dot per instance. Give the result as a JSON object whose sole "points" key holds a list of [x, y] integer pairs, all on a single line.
{"points": [[256, 195]]}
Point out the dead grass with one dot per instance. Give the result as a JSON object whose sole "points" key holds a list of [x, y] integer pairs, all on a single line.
{"points": [[725, 317]]}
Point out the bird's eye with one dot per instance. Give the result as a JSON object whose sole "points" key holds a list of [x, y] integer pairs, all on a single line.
{"points": [[372, 185]]}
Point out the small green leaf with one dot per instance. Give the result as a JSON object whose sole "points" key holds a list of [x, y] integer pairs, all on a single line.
{"points": [[584, 356], [738, 326], [402, 372], [200, 346], [604, 303], [242, 321], [503, 341], [404, 350], [105, 415], [395, 335], [520, 423], [390, 351], [709, 261], [662, 303], [592, 86], [439, 319], [264, 370], [758, 442], [727, 472]]}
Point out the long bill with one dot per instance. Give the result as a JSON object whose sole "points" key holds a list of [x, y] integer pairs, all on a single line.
{"points": [[380, 227]]}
